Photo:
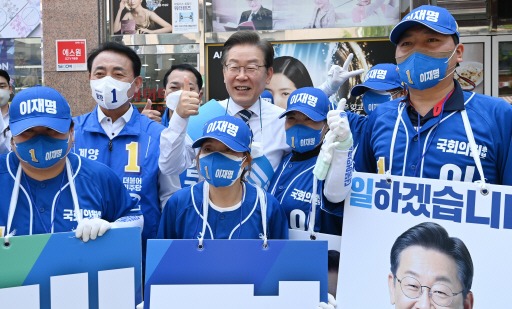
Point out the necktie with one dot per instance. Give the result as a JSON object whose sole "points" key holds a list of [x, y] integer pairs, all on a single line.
{"points": [[245, 115]]}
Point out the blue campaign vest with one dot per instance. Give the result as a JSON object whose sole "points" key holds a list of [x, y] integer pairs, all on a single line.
{"points": [[292, 185], [133, 155], [448, 155], [99, 192], [181, 219]]}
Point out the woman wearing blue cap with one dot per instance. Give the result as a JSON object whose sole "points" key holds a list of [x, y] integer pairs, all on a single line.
{"points": [[224, 206], [297, 180]]}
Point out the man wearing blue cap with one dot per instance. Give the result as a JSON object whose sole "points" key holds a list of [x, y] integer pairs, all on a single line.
{"points": [[46, 189], [438, 131], [381, 84], [306, 126]]}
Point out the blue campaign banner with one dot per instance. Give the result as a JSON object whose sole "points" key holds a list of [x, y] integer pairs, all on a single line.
{"points": [[380, 209], [62, 269], [235, 262]]}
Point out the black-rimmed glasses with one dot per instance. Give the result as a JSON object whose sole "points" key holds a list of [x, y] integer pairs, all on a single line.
{"points": [[440, 294], [250, 69]]}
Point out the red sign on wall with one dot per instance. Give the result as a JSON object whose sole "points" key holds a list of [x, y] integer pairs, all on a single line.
{"points": [[71, 55]]}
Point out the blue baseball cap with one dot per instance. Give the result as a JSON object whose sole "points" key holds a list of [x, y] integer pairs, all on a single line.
{"points": [[39, 106], [267, 95], [310, 101], [381, 77], [433, 17], [232, 132]]}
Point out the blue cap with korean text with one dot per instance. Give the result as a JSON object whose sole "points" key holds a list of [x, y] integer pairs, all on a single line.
{"points": [[267, 96], [310, 101], [232, 132], [39, 106], [381, 77], [433, 17]]}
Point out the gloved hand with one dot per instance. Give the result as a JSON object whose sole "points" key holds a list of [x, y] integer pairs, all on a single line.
{"points": [[140, 306], [172, 99], [338, 124], [91, 228], [330, 305], [337, 76]]}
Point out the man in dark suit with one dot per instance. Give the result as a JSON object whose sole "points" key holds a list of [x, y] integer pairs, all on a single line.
{"points": [[260, 16]]}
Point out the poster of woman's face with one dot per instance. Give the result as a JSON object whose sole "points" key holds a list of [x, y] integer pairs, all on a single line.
{"points": [[141, 16]]}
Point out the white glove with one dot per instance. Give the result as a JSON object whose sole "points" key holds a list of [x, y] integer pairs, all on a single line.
{"points": [[172, 99], [91, 228], [337, 76], [140, 306], [330, 305], [338, 124]]}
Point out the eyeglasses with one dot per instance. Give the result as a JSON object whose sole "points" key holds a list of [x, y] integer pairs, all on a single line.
{"points": [[440, 294], [250, 69], [395, 92]]}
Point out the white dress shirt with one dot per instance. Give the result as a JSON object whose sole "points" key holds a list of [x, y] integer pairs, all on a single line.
{"points": [[269, 138]]}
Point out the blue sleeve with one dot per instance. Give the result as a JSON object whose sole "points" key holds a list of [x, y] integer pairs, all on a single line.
{"points": [[276, 219]]}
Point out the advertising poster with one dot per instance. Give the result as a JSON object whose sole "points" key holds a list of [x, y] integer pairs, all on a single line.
{"points": [[141, 16], [7, 56], [471, 71], [377, 212], [59, 271], [290, 14], [229, 15], [312, 62], [185, 14], [20, 18], [235, 274]]}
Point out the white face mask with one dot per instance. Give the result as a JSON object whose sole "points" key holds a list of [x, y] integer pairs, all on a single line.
{"points": [[5, 95], [110, 93]]}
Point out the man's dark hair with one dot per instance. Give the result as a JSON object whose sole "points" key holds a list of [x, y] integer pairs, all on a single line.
{"points": [[430, 235], [247, 37], [184, 67], [117, 48], [5, 75]]}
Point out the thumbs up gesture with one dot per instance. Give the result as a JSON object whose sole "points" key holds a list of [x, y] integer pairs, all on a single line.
{"points": [[189, 101], [151, 113]]}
